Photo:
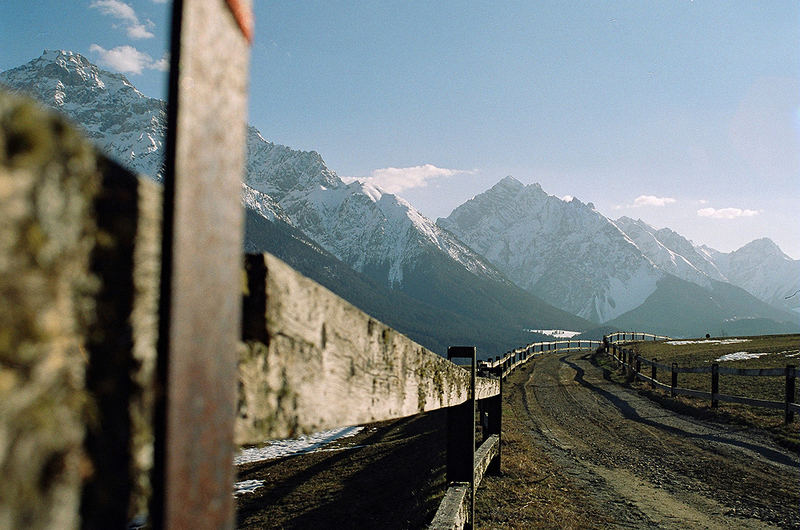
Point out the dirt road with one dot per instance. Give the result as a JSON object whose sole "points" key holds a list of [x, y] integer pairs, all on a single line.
{"points": [[584, 451]]}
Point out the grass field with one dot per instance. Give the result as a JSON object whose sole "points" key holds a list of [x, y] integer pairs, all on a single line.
{"points": [[768, 351]]}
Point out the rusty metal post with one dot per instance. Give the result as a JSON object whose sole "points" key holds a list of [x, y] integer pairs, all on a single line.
{"points": [[200, 300]]}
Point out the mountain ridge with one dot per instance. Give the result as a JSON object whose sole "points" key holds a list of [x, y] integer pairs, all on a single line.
{"points": [[580, 261]]}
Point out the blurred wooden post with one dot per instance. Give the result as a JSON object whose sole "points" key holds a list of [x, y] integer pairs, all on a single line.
{"points": [[674, 382], [715, 385], [791, 377], [461, 433], [200, 300]]}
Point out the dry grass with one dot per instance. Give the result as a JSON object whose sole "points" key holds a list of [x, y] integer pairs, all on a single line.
{"points": [[779, 351], [532, 490]]}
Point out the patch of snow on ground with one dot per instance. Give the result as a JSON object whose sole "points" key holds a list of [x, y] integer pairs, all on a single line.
{"points": [[304, 444], [246, 486], [557, 333], [740, 356], [706, 341], [789, 353]]}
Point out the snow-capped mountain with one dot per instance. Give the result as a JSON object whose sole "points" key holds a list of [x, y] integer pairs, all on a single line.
{"points": [[418, 277], [581, 261], [671, 252], [374, 232], [762, 269], [125, 123], [566, 252]]}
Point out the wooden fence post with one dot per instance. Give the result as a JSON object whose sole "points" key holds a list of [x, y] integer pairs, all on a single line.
{"points": [[494, 405], [638, 363], [461, 432], [715, 385], [653, 373], [201, 265], [674, 382], [791, 377]]}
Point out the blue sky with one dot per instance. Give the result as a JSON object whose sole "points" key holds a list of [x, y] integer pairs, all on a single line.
{"points": [[683, 113]]}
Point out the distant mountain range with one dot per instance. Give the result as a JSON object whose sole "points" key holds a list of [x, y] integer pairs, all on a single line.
{"points": [[512, 258], [626, 273]]}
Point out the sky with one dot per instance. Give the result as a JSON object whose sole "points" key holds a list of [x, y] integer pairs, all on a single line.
{"points": [[683, 113]]}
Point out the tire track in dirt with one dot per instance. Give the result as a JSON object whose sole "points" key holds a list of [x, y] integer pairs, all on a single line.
{"points": [[655, 467]]}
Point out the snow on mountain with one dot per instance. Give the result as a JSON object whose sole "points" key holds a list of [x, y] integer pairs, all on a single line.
{"points": [[565, 252], [358, 223], [671, 252], [544, 244], [763, 270], [123, 122]]}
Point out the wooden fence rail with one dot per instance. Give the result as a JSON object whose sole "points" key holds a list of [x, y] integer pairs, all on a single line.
{"points": [[632, 362]]}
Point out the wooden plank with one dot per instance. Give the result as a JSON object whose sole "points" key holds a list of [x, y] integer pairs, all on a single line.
{"points": [[322, 363], [200, 300], [452, 513], [488, 450], [693, 369]]}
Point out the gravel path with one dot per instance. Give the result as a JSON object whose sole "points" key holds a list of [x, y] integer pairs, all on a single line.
{"points": [[646, 466]]}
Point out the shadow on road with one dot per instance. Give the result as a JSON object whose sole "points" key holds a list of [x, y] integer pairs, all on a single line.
{"points": [[630, 412]]}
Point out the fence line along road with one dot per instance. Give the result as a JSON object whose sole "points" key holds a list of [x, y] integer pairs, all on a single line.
{"points": [[632, 363]]}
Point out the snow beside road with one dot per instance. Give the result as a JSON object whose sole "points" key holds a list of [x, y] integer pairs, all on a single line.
{"points": [[303, 444]]}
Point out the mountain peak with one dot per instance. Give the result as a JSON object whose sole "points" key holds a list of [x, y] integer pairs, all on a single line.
{"points": [[127, 125], [764, 246], [508, 183]]}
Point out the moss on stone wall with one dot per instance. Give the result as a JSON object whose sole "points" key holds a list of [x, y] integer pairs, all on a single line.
{"points": [[48, 180]]}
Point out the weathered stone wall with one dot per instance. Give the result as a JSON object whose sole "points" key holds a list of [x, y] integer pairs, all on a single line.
{"points": [[48, 181], [79, 268]]}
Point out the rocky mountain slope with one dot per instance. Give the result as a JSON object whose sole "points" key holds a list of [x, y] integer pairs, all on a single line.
{"points": [[125, 123], [285, 191], [567, 252], [623, 272], [469, 264], [762, 269]]}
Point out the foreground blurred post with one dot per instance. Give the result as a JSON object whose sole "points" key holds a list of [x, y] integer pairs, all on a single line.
{"points": [[201, 294]]}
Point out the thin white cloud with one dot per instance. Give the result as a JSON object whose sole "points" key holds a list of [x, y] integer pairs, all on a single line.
{"points": [[397, 179], [139, 31], [127, 59], [726, 213], [124, 12], [646, 200], [116, 9], [162, 64], [651, 200]]}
